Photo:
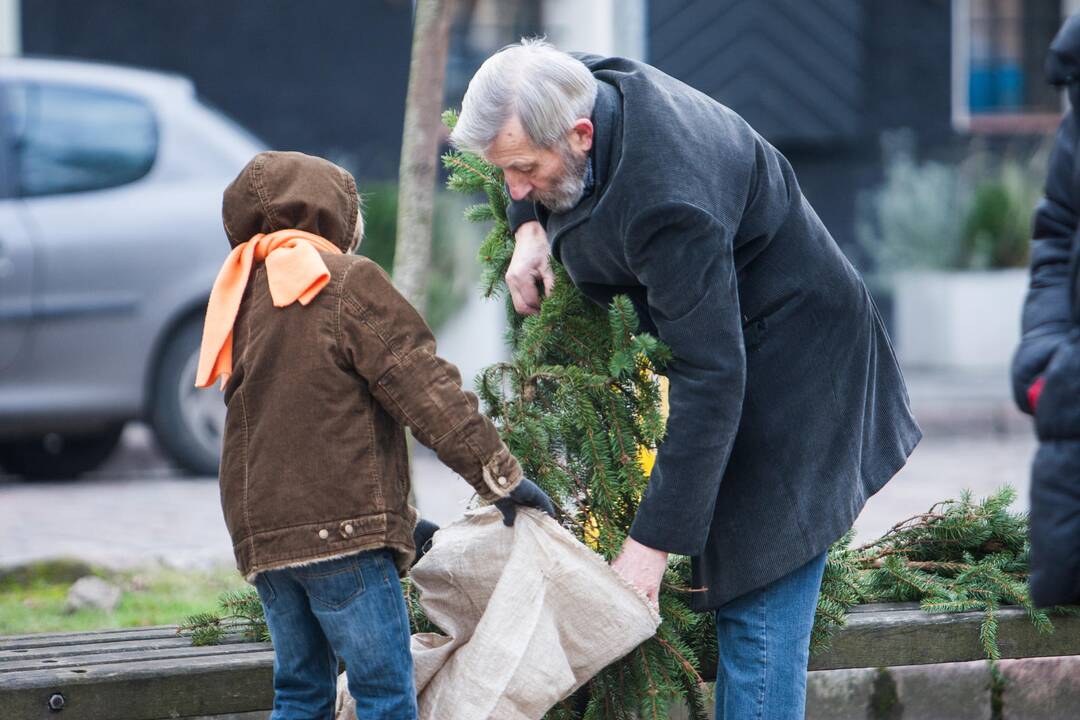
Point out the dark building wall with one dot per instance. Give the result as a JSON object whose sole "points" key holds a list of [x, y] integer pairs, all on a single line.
{"points": [[321, 76], [909, 69], [821, 80]]}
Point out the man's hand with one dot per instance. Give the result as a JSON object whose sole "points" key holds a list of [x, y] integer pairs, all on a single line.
{"points": [[529, 265], [643, 567]]}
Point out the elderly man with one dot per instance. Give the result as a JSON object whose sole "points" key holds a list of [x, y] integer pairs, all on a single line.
{"points": [[787, 407]]}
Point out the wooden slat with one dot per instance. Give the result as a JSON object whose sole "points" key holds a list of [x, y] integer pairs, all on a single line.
{"points": [[141, 690], [78, 650], [18, 642], [180, 653], [912, 637], [75, 651]]}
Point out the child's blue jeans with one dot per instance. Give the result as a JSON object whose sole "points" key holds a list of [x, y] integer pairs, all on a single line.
{"points": [[350, 608]]}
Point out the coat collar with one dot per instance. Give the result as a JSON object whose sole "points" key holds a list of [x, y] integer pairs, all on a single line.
{"points": [[607, 139]]}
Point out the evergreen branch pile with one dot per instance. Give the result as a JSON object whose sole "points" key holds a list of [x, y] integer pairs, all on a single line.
{"points": [[959, 556]]}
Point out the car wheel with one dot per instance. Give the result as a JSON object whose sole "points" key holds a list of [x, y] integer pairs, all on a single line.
{"points": [[56, 456], [188, 422]]}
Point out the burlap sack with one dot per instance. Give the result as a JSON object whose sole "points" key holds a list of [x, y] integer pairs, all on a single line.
{"points": [[530, 614]]}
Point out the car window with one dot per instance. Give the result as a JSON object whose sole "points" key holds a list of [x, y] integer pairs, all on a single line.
{"points": [[72, 139], [7, 127]]}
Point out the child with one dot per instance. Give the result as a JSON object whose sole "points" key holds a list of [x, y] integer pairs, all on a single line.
{"points": [[323, 363]]}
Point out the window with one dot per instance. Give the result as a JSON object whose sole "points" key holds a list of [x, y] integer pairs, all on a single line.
{"points": [[73, 139], [999, 49], [7, 166]]}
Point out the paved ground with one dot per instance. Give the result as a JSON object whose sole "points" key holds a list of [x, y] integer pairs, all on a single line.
{"points": [[136, 510]]}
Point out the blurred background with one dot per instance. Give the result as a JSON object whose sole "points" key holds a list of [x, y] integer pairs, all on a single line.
{"points": [[919, 132]]}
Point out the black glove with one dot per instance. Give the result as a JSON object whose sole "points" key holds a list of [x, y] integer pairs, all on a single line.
{"points": [[526, 493], [422, 534]]}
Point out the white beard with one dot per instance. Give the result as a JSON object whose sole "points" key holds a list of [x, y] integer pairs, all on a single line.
{"points": [[568, 190]]}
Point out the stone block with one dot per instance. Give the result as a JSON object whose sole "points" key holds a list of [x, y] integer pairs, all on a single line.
{"points": [[1041, 688], [949, 691], [840, 694]]}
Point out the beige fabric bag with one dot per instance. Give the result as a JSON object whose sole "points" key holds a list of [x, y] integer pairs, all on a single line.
{"points": [[530, 614]]}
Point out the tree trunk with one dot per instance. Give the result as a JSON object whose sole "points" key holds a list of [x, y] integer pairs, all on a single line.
{"points": [[419, 148]]}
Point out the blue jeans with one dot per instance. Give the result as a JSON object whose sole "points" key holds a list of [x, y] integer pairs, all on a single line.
{"points": [[350, 608], [763, 638]]}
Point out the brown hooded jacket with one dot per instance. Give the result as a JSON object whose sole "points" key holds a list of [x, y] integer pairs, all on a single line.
{"points": [[314, 464]]}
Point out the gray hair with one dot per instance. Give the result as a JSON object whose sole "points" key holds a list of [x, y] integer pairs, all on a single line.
{"points": [[545, 88]]}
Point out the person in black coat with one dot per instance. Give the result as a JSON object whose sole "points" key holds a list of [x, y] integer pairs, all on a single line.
{"points": [[1046, 366], [787, 407]]}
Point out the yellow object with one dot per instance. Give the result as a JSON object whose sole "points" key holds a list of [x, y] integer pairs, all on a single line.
{"points": [[647, 456]]}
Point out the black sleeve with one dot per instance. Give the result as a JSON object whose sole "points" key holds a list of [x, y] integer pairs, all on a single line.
{"points": [[1047, 318], [683, 256], [519, 212]]}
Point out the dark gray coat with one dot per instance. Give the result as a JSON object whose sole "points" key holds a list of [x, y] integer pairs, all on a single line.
{"points": [[1050, 349], [788, 409]]}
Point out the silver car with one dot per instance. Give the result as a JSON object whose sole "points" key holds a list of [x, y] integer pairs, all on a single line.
{"points": [[110, 239]]}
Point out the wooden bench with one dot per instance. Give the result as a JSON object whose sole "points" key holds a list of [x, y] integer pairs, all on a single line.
{"points": [[152, 673]]}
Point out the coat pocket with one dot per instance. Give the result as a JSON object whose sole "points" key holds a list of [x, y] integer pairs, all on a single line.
{"points": [[756, 327]]}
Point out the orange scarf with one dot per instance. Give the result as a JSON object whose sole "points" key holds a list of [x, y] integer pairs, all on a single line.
{"points": [[294, 271]]}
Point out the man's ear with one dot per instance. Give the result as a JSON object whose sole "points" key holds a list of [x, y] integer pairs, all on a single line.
{"points": [[581, 135]]}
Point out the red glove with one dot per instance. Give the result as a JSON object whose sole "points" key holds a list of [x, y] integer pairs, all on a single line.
{"points": [[1035, 391]]}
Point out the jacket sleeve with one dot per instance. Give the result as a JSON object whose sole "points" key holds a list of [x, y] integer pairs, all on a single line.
{"points": [[386, 341], [519, 212], [683, 256], [1046, 317]]}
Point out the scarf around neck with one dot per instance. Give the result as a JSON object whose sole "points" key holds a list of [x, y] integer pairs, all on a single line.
{"points": [[294, 271]]}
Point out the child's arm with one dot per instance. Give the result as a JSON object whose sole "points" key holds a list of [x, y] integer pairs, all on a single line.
{"points": [[383, 337]]}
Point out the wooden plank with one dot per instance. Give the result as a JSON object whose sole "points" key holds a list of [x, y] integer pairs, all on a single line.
{"points": [[198, 686], [69, 651], [913, 637], [18, 642], [15, 642], [126, 646], [181, 653]]}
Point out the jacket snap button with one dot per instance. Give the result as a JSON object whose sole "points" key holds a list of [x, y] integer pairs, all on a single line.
{"points": [[324, 533], [349, 530], [502, 480]]}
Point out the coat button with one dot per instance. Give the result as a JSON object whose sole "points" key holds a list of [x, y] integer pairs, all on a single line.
{"points": [[324, 533], [502, 480], [349, 530]]}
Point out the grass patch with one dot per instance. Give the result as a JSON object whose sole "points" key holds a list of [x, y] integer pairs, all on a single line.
{"points": [[32, 597]]}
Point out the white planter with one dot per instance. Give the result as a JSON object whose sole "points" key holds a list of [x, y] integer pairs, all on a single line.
{"points": [[963, 320]]}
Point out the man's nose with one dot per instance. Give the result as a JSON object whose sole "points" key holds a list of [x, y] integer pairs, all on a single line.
{"points": [[519, 189]]}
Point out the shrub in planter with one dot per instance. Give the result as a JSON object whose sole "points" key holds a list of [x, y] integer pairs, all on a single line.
{"points": [[947, 241], [997, 231]]}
